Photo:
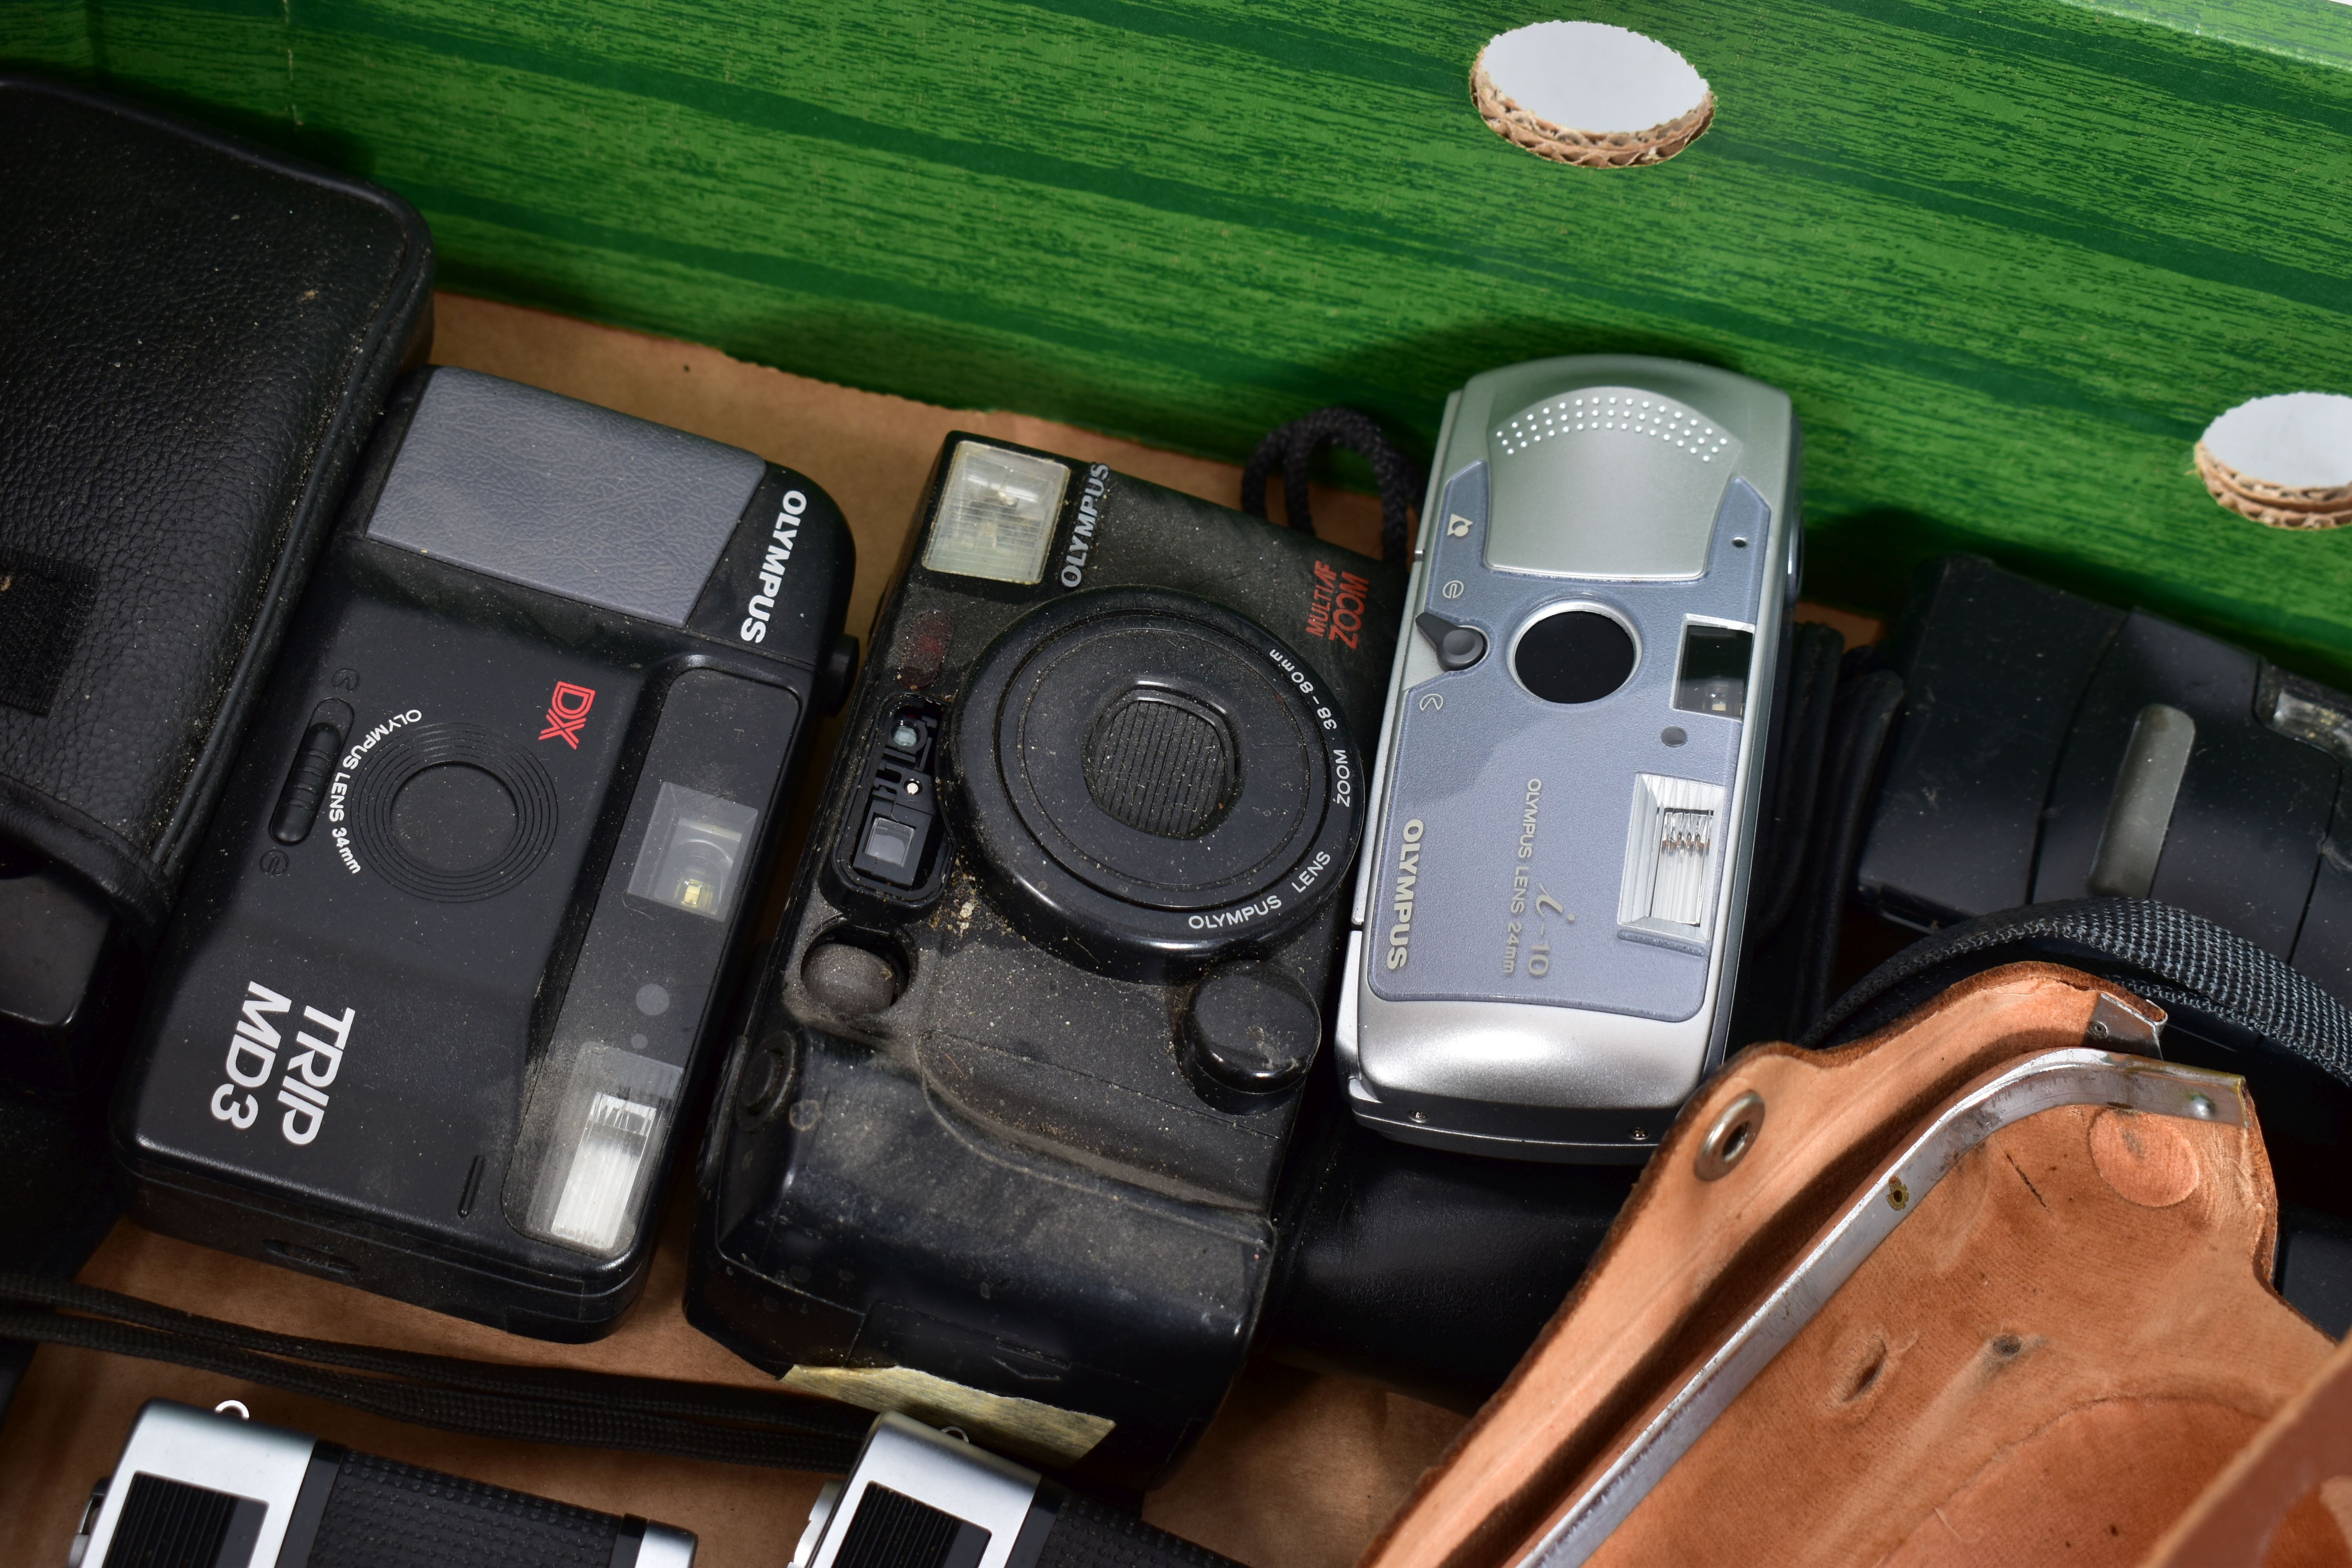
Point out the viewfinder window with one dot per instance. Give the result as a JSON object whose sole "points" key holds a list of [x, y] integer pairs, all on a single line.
{"points": [[997, 512], [1712, 677], [692, 856], [892, 844]]}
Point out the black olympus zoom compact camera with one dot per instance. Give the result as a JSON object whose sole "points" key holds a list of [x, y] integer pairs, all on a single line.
{"points": [[1001, 1144], [442, 978]]}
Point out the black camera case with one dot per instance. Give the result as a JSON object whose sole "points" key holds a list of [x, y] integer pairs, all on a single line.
{"points": [[1001, 1141], [438, 992], [198, 338]]}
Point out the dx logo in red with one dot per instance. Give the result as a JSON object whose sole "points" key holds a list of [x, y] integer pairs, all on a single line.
{"points": [[567, 711]]}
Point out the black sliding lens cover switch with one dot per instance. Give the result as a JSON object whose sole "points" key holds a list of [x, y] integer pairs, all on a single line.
{"points": [[451, 954]]}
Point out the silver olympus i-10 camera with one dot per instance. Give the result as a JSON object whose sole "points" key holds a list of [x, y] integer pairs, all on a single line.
{"points": [[1549, 909]]}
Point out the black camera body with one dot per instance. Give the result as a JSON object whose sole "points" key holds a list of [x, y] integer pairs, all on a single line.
{"points": [[1001, 1143], [2054, 747], [439, 988]]}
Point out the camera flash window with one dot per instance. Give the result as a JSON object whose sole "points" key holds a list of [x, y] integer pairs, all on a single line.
{"points": [[603, 1174], [996, 514], [1673, 847], [603, 1144]]}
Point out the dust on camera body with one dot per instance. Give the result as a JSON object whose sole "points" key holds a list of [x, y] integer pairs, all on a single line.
{"points": [[1549, 913], [1001, 1142], [446, 970]]}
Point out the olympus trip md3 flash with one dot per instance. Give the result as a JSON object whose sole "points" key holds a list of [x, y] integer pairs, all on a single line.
{"points": [[1548, 911]]}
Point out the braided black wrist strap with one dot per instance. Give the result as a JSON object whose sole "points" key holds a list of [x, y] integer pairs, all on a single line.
{"points": [[486, 1399], [1291, 449]]}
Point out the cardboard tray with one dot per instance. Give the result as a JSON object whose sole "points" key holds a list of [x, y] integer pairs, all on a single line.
{"points": [[1298, 1471]]}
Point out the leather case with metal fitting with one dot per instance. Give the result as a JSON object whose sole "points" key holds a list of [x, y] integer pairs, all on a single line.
{"points": [[1990, 1284]]}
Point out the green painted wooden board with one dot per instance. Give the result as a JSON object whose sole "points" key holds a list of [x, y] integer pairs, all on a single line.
{"points": [[2009, 257]]}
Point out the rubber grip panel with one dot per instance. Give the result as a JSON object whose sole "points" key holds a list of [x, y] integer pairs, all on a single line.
{"points": [[1090, 1535], [387, 1515]]}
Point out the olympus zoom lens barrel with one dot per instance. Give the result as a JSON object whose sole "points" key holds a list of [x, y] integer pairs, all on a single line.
{"points": [[1150, 779]]}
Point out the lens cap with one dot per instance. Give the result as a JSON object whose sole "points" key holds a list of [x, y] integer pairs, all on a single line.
{"points": [[1150, 779]]}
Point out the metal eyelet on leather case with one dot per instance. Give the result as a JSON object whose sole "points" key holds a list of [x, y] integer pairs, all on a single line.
{"points": [[1731, 1135]]}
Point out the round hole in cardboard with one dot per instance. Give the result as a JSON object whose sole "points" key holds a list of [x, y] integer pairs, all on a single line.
{"points": [[1589, 94], [2284, 460]]}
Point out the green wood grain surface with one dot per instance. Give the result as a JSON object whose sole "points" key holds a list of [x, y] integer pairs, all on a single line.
{"points": [[2008, 257]]}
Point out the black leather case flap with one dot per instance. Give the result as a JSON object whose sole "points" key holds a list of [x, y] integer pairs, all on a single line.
{"points": [[197, 337]]}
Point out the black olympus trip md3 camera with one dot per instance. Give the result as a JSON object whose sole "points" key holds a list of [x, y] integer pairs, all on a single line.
{"points": [[1002, 1141], [442, 977]]}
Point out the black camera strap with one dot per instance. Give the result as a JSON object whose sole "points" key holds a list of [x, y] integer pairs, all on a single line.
{"points": [[1833, 715], [1291, 449], [2217, 986], [484, 1399]]}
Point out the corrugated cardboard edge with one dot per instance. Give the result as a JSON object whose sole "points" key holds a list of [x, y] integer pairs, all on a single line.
{"points": [[2277, 506], [1585, 149]]}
